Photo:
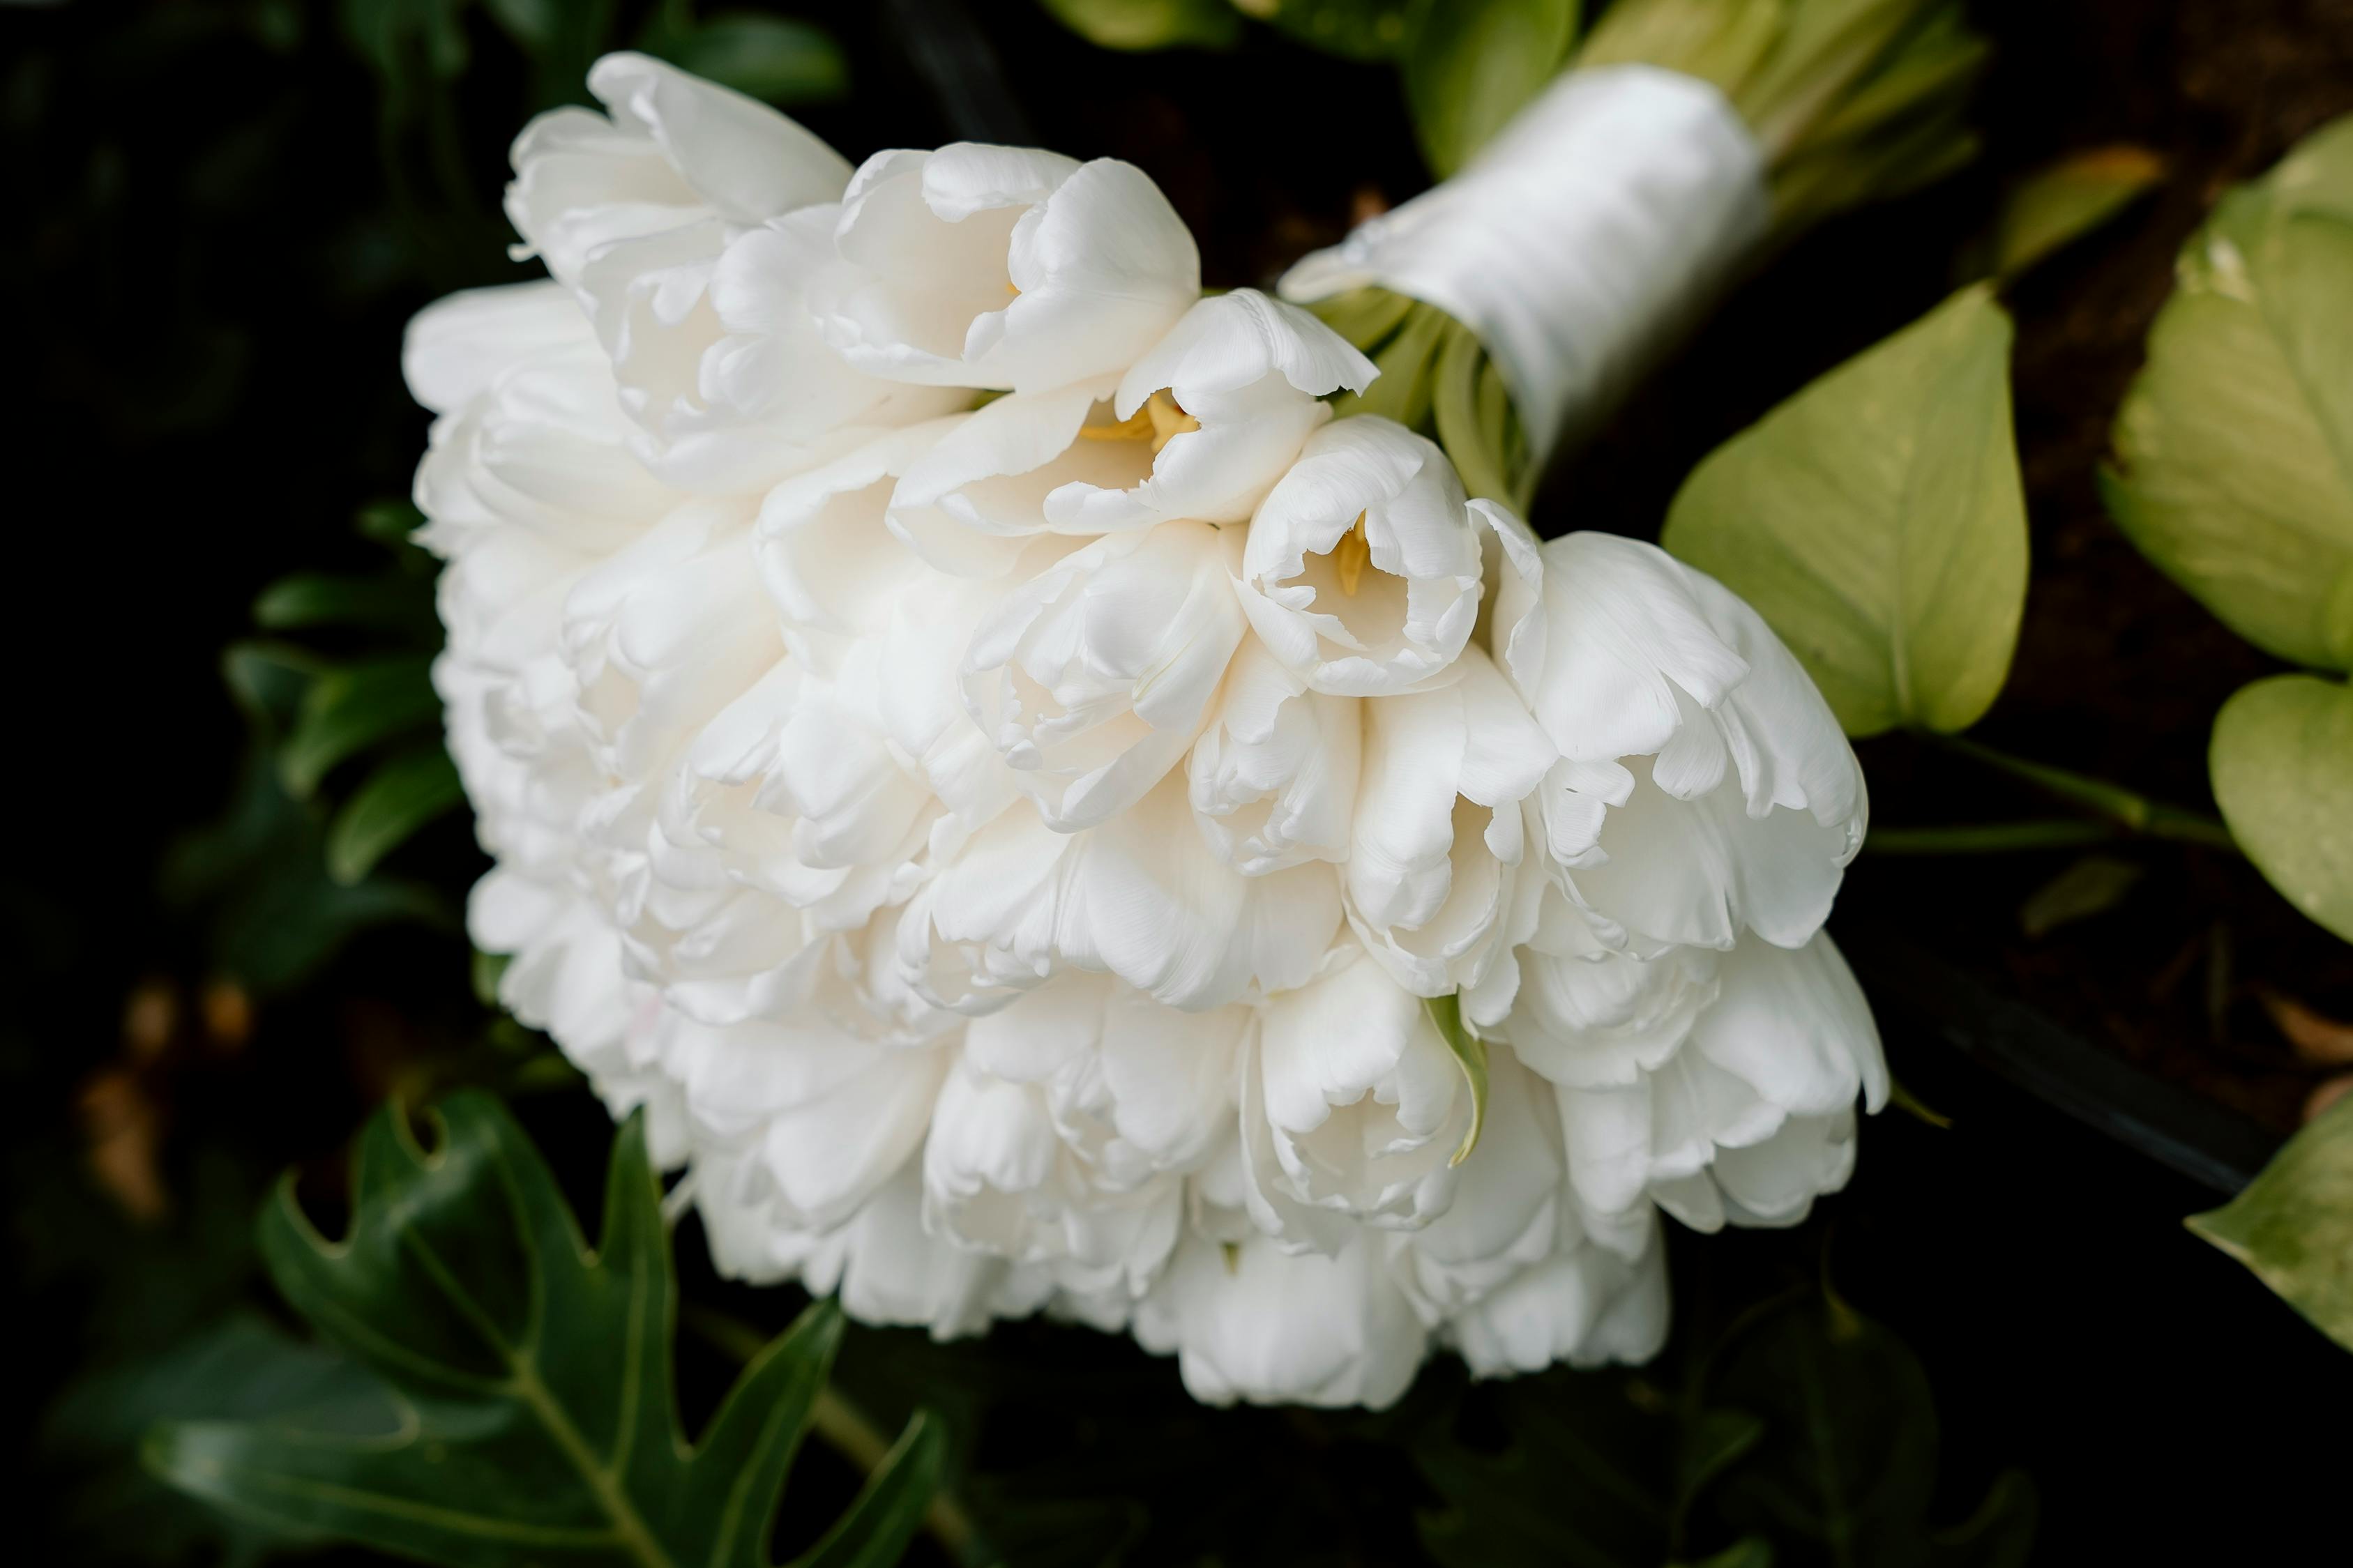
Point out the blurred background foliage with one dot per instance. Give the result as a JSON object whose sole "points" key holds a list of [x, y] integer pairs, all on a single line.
{"points": [[233, 914]]}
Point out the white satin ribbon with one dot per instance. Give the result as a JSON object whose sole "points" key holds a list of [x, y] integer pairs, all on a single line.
{"points": [[1579, 242]]}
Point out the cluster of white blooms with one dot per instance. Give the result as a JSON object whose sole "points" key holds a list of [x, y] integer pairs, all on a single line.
{"points": [[1001, 776]]}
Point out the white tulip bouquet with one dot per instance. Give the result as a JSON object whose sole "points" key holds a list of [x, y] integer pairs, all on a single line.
{"points": [[1044, 817]]}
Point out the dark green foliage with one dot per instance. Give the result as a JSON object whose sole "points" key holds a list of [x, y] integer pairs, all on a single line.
{"points": [[528, 1413], [1808, 1437]]}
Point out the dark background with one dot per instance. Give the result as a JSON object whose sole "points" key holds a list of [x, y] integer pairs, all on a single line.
{"points": [[206, 272]]}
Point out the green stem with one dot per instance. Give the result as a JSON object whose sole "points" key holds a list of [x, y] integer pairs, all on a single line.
{"points": [[845, 1428], [2135, 812], [1982, 838]]}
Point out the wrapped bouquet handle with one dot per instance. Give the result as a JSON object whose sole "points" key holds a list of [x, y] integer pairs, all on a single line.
{"points": [[1512, 306], [1578, 242]]}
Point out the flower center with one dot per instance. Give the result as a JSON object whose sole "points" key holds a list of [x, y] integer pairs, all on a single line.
{"points": [[1160, 421], [1349, 556]]}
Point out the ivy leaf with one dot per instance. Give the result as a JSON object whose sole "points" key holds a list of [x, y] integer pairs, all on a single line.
{"points": [[1583, 1475], [536, 1421], [2234, 446], [1876, 521], [2294, 1223], [1150, 24], [1473, 64], [1845, 1471], [2283, 769]]}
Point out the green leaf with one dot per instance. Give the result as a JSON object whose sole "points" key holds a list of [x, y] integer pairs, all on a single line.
{"points": [[2282, 770], [1581, 1477], [1749, 1553], [1150, 24], [309, 599], [1471, 1055], [1369, 31], [767, 58], [2234, 445], [1845, 1471], [1473, 64], [2000, 1534], [397, 799], [1875, 521], [2092, 885], [536, 1420], [2061, 202], [349, 709], [2294, 1223]]}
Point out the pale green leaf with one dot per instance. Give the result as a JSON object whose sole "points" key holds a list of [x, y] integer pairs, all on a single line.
{"points": [[2283, 769], [2234, 445], [1150, 24], [2294, 1223], [535, 1420], [2092, 885], [1876, 520], [2064, 201], [397, 799], [1471, 1055], [1473, 64], [1353, 29]]}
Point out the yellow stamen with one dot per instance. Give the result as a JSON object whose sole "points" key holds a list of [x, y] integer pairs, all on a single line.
{"points": [[1011, 287], [1160, 421], [1348, 556], [1168, 420]]}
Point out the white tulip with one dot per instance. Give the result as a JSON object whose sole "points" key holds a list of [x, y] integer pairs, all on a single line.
{"points": [[1223, 403], [1143, 897], [1706, 787], [1589, 1015], [1767, 1079], [527, 437], [1004, 266], [1509, 1211], [1434, 866], [1352, 1107], [1249, 1322], [886, 1269], [1135, 1088], [721, 363], [692, 222], [663, 635], [677, 152], [1092, 678], [1363, 568], [1273, 776], [1586, 1306], [998, 1179], [564, 976], [821, 1117]]}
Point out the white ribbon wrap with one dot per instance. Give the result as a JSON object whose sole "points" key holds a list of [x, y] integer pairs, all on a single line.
{"points": [[1579, 242]]}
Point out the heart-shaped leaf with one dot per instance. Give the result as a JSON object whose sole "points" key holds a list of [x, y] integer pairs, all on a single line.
{"points": [[2234, 445], [2294, 1223], [2282, 770], [530, 1377], [1875, 521]]}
